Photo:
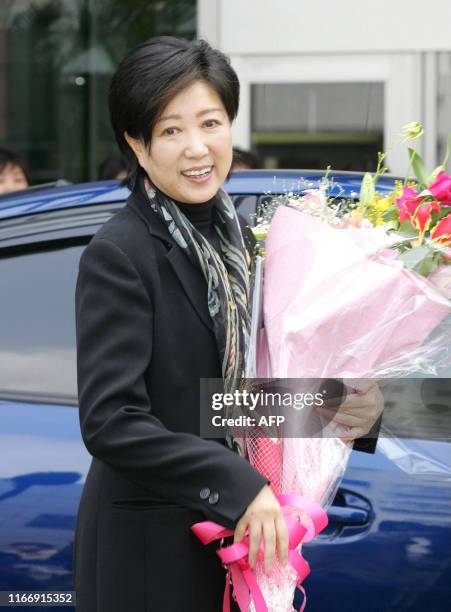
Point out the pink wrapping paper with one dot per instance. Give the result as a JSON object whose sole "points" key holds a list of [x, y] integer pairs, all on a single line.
{"points": [[366, 311]]}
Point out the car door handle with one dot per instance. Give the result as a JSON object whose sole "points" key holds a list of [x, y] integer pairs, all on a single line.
{"points": [[347, 515]]}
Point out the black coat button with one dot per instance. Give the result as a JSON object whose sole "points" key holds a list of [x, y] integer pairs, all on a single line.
{"points": [[214, 498], [204, 493]]}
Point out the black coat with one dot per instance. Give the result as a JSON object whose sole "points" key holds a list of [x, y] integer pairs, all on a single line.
{"points": [[144, 339]]}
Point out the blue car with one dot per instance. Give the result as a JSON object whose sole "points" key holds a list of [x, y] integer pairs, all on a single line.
{"points": [[388, 544]]}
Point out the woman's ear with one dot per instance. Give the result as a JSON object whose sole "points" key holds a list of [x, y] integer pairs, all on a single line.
{"points": [[137, 148]]}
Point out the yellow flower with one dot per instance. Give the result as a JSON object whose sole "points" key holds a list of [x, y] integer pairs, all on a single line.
{"points": [[374, 210]]}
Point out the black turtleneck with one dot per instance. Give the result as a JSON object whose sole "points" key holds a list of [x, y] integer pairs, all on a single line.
{"points": [[201, 216]]}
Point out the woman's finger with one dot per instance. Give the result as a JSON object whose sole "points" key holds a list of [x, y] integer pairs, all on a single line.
{"points": [[240, 530], [281, 540], [352, 426], [269, 538], [362, 387], [354, 400], [353, 433], [359, 385], [255, 533], [351, 420], [367, 407]]}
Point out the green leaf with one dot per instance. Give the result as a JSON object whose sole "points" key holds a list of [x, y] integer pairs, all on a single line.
{"points": [[367, 189], [407, 230], [390, 224], [419, 259], [391, 216], [418, 167], [426, 265]]}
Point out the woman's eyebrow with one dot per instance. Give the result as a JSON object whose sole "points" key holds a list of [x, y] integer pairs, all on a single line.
{"points": [[200, 114]]}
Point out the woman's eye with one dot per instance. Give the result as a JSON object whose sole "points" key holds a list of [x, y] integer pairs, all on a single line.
{"points": [[210, 123], [171, 131]]}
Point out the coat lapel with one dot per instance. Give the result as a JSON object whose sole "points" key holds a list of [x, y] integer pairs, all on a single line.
{"points": [[190, 277]]}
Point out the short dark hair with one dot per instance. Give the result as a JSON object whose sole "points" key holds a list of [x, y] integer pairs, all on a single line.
{"points": [[151, 75], [8, 156]]}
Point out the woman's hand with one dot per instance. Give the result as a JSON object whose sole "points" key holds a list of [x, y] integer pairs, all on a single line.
{"points": [[264, 520], [359, 411]]}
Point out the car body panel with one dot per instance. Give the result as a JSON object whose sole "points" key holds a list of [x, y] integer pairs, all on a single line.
{"points": [[246, 182], [42, 470], [401, 558]]}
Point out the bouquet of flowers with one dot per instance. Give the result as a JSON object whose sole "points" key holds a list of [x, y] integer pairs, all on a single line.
{"points": [[356, 296], [363, 294]]}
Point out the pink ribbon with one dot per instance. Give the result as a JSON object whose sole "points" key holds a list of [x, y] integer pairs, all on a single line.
{"points": [[235, 557]]}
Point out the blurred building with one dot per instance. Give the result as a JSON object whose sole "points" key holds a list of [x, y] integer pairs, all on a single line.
{"points": [[56, 61], [324, 82], [333, 81]]}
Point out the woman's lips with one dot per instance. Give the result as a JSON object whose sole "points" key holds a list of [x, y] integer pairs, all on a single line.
{"points": [[203, 178]]}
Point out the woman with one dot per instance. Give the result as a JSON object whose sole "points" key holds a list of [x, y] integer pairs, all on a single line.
{"points": [[161, 303], [148, 329]]}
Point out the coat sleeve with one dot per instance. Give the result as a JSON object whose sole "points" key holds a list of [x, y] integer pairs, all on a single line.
{"points": [[114, 349], [369, 443]]}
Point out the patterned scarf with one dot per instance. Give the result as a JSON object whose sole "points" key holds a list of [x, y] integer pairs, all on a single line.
{"points": [[226, 275]]}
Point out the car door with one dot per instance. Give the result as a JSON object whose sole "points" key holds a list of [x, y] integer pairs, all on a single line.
{"points": [[388, 544], [43, 462]]}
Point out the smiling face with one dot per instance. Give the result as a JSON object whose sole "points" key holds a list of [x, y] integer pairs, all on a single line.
{"points": [[191, 146]]}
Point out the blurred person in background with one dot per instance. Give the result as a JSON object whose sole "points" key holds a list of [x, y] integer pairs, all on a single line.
{"points": [[244, 160], [14, 173], [113, 167]]}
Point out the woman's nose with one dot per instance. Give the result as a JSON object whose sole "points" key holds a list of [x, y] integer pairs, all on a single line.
{"points": [[196, 146]]}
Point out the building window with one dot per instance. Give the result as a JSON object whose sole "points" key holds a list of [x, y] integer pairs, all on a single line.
{"points": [[313, 125]]}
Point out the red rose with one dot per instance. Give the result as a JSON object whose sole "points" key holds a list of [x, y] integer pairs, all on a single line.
{"points": [[407, 203], [441, 188], [416, 209], [442, 231]]}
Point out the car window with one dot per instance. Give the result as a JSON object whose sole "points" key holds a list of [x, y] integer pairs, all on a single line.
{"points": [[37, 323]]}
